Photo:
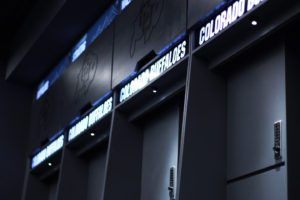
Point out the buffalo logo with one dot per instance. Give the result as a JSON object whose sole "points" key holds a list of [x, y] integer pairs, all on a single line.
{"points": [[145, 22], [86, 74]]}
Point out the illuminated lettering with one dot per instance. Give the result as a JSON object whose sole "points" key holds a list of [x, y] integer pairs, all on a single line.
{"points": [[183, 49], [47, 151], [218, 24], [228, 16], [79, 51], [154, 71], [43, 88], [91, 119]]}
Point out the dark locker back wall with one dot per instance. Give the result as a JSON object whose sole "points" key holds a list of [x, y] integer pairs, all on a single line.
{"points": [[144, 26], [256, 100], [15, 105], [96, 176], [86, 80], [160, 152]]}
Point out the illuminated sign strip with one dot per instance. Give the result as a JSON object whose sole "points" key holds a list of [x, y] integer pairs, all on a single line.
{"points": [[47, 151], [154, 71], [90, 119], [235, 11]]}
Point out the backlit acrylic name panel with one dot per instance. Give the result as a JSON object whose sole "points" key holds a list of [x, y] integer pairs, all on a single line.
{"points": [[91, 119], [48, 151], [228, 16], [166, 62]]}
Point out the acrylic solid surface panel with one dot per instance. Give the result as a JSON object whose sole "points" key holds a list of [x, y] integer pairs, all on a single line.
{"points": [[256, 99], [144, 26], [160, 152], [266, 186]]}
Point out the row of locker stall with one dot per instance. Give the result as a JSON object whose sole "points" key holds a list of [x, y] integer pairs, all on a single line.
{"points": [[213, 126]]}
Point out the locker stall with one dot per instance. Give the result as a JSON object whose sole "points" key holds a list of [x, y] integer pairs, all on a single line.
{"points": [[255, 106], [85, 155], [161, 134], [84, 166], [236, 103], [42, 182], [207, 115], [44, 187], [145, 138]]}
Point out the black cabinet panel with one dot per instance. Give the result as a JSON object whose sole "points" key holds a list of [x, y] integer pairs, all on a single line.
{"points": [[160, 152], [85, 81], [144, 26], [199, 9], [269, 185], [256, 100]]}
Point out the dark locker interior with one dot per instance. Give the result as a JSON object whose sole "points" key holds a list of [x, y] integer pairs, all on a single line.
{"points": [[84, 164], [42, 187], [255, 102], [161, 132]]}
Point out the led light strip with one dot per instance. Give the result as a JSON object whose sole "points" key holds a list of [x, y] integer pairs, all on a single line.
{"points": [[47, 151], [154, 71], [235, 11], [91, 119]]}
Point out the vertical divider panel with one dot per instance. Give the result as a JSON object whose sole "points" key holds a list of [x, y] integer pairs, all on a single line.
{"points": [[123, 176], [26, 180], [202, 159], [293, 112], [72, 177], [34, 189], [39, 187]]}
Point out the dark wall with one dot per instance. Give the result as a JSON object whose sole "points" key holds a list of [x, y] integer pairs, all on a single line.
{"points": [[15, 105], [96, 175], [199, 9], [160, 152], [84, 82], [145, 26]]}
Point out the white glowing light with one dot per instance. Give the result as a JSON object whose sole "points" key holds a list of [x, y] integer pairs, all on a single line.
{"points": [[254, 23]]}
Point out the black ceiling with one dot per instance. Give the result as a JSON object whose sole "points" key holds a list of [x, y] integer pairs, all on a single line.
{"points": [[12, 15], [45, 32]]}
